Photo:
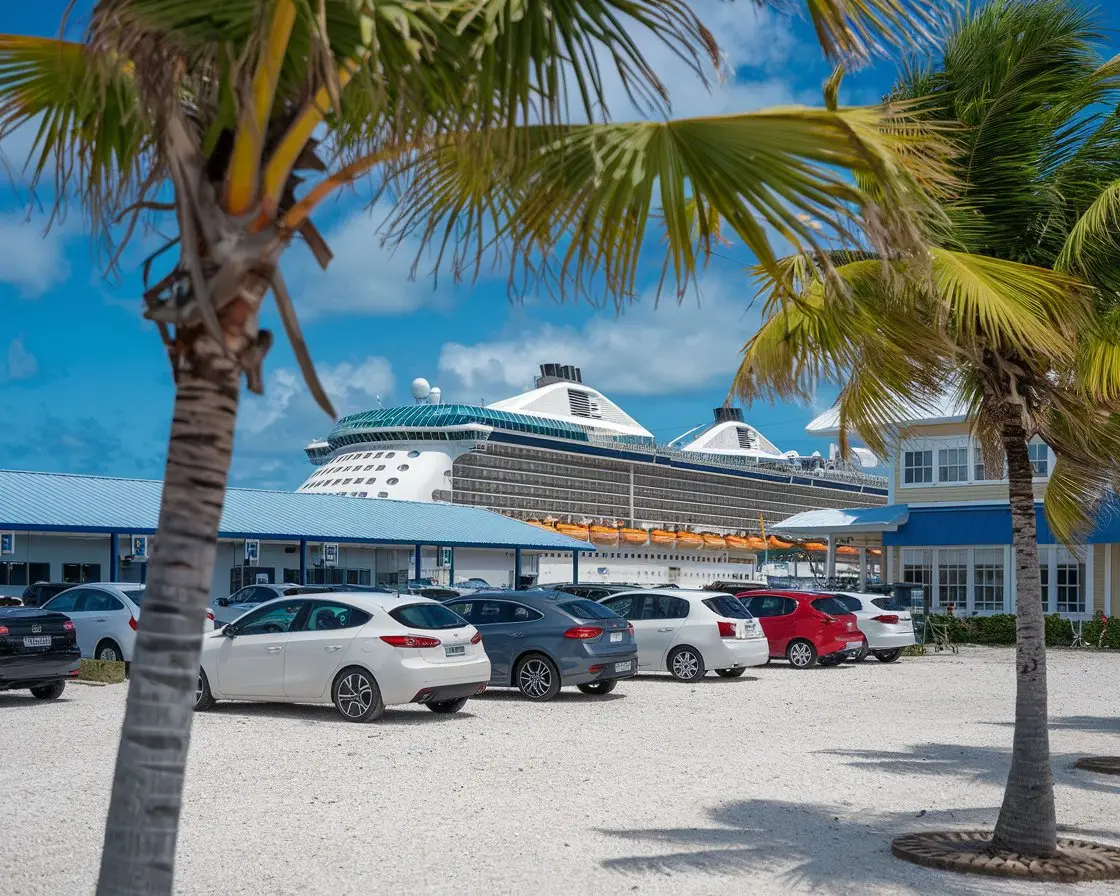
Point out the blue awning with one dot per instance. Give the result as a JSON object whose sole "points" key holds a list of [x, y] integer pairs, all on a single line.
{"points": [[988, 524], [845, 522]]}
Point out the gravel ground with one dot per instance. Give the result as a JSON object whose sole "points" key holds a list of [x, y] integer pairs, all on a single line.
{"points": [[787, 782]]}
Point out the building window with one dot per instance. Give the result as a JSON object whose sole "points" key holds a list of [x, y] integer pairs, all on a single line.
{"points": [[81, 573], [989, 578], [952, 579], [1063, 578], [952, 465], [917, 467], [1040, 458], [981, 472], [917, 566]]}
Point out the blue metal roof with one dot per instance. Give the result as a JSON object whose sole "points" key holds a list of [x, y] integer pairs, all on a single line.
{"points": [[67, 503]]}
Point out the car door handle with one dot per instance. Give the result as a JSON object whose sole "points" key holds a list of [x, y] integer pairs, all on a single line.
{"points": [[664, 629], [274, 649], [100, 620], [331, 648], [517, 634]]}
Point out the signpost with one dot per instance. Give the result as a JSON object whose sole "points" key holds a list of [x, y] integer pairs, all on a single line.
{"points": [[330, 555], [252, 552], [7, 542], [139, 548]]}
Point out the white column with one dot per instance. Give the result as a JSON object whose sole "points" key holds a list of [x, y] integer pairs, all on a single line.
{"points": [[1108, 580], [830, 561], [1091, 585], [862, 568]]}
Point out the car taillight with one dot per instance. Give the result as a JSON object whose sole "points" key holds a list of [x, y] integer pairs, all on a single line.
{"points": [[477, 638], [410, 641], [726, 629], [825, 618], [67, 626], [132, 622], [630, 628], [210, 615], [3, 631], [583, 632], [887, 619]]}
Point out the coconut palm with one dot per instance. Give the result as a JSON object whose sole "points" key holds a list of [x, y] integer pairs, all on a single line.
{"points": [[1014, 310], [210, 114]]}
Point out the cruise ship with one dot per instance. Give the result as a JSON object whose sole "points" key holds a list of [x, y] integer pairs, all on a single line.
{"points": [[566, 456]]}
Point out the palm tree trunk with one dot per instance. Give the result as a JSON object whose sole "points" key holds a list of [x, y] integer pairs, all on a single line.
{"points": [[141, 831], [1027, 822]]}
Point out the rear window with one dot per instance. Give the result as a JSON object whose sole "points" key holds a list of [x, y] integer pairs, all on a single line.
{"points": [[726, 605], [852, 603], [137, 596], [587, 609], [427, 616], [830, 605], [892, 603]]}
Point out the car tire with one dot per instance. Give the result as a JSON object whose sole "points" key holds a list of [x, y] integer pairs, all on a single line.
{"points": [[108, 651], [801, 654], [598, 687], [537, 677], [356, 695], [446, 707], [731, 673], [203, 698], [686, 664], [50, 691], [888, 656], [862, 655], [830, 660]]}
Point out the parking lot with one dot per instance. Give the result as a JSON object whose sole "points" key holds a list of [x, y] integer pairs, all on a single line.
{"points": [[782, 781]]}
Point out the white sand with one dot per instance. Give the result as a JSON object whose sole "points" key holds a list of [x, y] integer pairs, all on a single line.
{"points": [[793, 782]]}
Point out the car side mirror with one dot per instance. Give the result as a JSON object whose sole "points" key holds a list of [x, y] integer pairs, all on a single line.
{"points": [[223, 602], [229, 631]]}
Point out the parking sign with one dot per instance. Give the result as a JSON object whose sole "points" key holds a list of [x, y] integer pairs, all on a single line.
{"points": [[330, 554], [7, 542], [252, 552]]}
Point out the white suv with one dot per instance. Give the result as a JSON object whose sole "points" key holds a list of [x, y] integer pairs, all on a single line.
{"points": [[689, 632], [887, 626]]}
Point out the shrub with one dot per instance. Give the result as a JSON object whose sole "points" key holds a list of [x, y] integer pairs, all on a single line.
{"points": [[1000, 630], [101, 670]]}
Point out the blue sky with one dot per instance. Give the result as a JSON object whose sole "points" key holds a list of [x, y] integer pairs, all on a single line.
{"points": [[85, 384]]}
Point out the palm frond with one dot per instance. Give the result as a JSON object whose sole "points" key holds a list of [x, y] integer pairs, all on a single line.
{"points": [[1086, 441], [853, 31], [1095, 236]]}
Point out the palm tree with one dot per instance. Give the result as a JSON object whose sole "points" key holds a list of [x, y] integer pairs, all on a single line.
{"points": [[214, 111], [1013, 309]]}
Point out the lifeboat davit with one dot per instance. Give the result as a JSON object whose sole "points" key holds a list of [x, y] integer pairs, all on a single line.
{"points": [[663, 537], [737, 542], [713, 540], [573, 530], [634, 536], [606, 535], [689, 540]]}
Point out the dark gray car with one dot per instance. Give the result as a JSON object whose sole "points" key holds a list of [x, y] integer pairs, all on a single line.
{"points": [[539, 641]]}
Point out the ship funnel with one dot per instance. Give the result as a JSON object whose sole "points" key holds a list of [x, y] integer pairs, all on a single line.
{"points": [[559, 373], [726, 414]]}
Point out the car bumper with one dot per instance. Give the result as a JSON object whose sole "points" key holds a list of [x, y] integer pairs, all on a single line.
{"points": [[601, 668], [846, 646], [32, 671], [890, 640], [406, 683], [449, 692], [736, 653]]}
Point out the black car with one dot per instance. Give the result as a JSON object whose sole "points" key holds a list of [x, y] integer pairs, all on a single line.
{"points": [[38, 594], [38, 651], [591, 591]]}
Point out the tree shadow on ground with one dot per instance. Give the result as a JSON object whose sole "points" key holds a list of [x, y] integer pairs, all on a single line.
{"points": [[668, 680], [817, 848], [566, 695], [320, 714], [981, 765], [1086, 724]]}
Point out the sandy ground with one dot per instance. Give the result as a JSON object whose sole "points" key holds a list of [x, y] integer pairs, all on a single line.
{"points": [[784, 782]]}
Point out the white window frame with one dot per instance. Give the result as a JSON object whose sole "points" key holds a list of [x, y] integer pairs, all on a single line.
{"points": [[1048, 556], [937, 444], [932, 466], [968, 607]]}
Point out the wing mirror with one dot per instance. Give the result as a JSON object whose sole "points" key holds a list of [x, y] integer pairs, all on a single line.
{"points": [[229, 631], [223, 602]]}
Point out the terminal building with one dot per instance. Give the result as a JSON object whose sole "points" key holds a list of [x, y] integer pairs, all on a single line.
{"points": [[947, 525], [67, 528]]}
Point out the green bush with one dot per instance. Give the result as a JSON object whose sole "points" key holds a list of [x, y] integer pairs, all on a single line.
{"points": [[1000, 630], [101, 670]]}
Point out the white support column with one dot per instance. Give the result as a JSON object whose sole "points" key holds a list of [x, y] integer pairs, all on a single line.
{"points": [[1012, 580], [862, 568], [830, 561], [1108, 580], [1091, 585]]}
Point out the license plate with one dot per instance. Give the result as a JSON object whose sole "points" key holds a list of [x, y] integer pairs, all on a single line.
{"points": [[37, 641], [855, 645], [455, 651], [616, 637], [624, 667]]}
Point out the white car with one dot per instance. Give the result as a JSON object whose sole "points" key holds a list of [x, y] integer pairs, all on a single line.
{"points": [[887, 626], [105, 615], [359, 651], [690, 632]]}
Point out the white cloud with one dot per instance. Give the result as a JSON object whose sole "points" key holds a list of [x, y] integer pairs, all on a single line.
{"points": [[22, 365], [32, 261], [645, 351]]}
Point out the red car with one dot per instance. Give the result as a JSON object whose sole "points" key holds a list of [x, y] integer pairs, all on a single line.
{"points": [[805, 628]]}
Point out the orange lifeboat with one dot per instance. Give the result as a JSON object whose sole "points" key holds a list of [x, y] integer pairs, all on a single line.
{"points": [[815, 546], [689, 540], [737, 542], [573, 530], [634, 536], [777, 543], [606, 535], [848, 550], [714, 541], [663, 537], [755, 543], [541, 524]]}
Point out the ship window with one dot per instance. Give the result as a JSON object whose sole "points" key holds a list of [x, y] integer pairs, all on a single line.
{"points": [[380, 467], [383, 494], [363, 494], [359, 481], [390, 454], [447, 473], [392, 481], [369, 467], [379, 453], [413, 453], [345, 482], [403, 467]]}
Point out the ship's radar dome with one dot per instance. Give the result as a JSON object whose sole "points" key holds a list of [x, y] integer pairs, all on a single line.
{"points": [[421, 388]]}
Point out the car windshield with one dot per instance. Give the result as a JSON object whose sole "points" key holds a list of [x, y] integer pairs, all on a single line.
{"points": [[726, 605], [587, 609], [852, 603], [427, 616], [830, 605], [421, 583]]}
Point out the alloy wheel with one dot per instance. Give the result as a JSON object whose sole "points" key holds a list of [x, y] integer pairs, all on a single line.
{"points": [[685, 664], [800, 654], [355, 695], [198, 689], [535, 678], [108, 654]]}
